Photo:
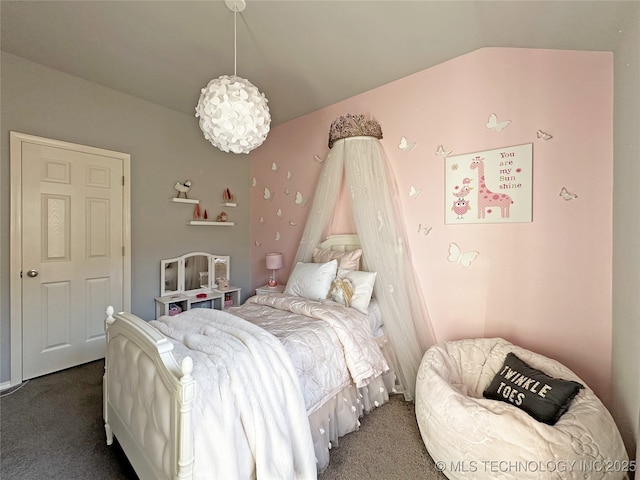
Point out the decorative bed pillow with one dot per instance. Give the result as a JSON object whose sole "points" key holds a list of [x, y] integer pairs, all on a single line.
{"points": [[353, 289], [348, 260], [312, 280], [543, 397]]}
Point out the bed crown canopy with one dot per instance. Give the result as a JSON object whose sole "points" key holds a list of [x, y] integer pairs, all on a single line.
{"points": [[353, 126], [357, 156]]}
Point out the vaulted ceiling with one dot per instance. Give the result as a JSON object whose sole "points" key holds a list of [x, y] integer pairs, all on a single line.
{"points": [[304, 55]]}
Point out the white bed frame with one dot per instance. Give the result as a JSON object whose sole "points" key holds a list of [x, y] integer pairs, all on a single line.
{"points": [[143, 381], [146, 380]]}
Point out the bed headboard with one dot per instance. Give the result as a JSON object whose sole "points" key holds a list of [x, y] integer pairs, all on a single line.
{"points": [[341, 243]]}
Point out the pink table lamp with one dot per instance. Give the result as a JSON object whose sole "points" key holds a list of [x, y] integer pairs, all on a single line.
{"points": [[274, 262]]}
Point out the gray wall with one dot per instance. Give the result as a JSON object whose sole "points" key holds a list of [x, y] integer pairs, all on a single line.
{"points": [[626, 234], [165, 147]]}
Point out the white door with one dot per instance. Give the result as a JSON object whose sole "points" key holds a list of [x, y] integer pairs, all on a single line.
{"points": [[73, 253]]}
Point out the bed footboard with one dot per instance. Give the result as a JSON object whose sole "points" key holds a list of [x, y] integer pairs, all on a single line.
{"points": [[148, 399]]}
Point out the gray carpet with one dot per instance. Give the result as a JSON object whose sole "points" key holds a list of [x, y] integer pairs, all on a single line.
{"points": [[387, 446], [51, 428]]}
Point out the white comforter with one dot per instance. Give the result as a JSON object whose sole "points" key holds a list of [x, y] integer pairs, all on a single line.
{"points": [[249, 415], [331, 346]]}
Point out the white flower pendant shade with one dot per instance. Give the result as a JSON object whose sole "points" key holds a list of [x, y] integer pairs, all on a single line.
{"points": [[234, 115]]}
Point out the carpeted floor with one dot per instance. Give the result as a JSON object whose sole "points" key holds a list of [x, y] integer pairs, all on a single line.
{"points": [[387, 446], [51, 428]]}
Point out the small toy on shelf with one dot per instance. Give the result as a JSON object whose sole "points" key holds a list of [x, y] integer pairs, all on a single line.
{"points": [[196, 212], [183, 188], [222, 217], [228, 300], [228, 196], [222, 282]]}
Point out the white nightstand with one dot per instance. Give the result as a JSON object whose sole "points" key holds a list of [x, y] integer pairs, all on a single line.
{"points": [[263, 290]]}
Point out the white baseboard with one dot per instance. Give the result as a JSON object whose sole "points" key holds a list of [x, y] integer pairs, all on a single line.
{"points": [[5, 385]]}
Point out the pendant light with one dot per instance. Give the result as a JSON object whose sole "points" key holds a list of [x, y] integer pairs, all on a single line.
{"points": [[234, 115]]}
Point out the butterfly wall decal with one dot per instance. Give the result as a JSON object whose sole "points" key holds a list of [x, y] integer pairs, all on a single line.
{"points": [[442, 152], [292, 223], [567, 195], [268, 195], [274, 167], [278, 235], [414, 192], [300, 200], [254, 182], [456, 256], [318, 158], [406, 145], [543, 135], [279, 213], [423, 229], [495, 125], [289, 175]]}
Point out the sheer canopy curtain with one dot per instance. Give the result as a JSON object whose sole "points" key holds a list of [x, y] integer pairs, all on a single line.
{"points": [[362, 163]]}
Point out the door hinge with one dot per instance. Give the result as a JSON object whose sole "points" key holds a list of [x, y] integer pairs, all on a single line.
{"points": [[20, 273], [123, 250], [123, 180]]}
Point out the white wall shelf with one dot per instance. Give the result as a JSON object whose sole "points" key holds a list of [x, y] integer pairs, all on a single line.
{"points": [[229, 204], [185, 200], [205, 222]]}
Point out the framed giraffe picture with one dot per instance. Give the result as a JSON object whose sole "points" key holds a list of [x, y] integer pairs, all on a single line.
{"points": [[493, 186]]}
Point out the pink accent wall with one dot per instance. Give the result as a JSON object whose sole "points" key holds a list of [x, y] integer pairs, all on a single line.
{"points": [[545, 285]]}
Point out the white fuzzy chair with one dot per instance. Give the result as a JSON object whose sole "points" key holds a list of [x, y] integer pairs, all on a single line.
{"points": [[472, 437]]}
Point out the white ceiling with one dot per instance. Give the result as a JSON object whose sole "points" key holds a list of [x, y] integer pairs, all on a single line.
{"points": [[304, 55]]}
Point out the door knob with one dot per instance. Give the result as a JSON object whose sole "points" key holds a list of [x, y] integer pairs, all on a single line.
{"points": [[32, 273]]}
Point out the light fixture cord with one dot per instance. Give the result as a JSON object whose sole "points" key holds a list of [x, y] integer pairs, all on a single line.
{"points": [[235, 47]]}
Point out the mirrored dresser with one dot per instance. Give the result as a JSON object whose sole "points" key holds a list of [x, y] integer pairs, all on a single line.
{"points": [[195, 280]]}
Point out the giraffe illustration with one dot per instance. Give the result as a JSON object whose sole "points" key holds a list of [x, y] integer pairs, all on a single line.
{"points": [[487, 198]]}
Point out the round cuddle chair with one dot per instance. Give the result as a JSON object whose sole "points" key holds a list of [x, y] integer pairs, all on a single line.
{"points": [[488, 409]]}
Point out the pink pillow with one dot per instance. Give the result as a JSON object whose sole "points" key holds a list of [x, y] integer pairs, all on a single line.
{"points": [[346, 260]]}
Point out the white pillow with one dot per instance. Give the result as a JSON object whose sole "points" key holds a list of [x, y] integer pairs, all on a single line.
{"points": [[312, 280], [362, 285]]}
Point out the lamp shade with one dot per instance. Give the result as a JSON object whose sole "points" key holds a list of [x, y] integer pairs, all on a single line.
{"points": [[233, 114], [274, 261]]}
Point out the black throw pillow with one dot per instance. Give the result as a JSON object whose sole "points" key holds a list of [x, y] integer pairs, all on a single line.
{"points": [[543, 397]]}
